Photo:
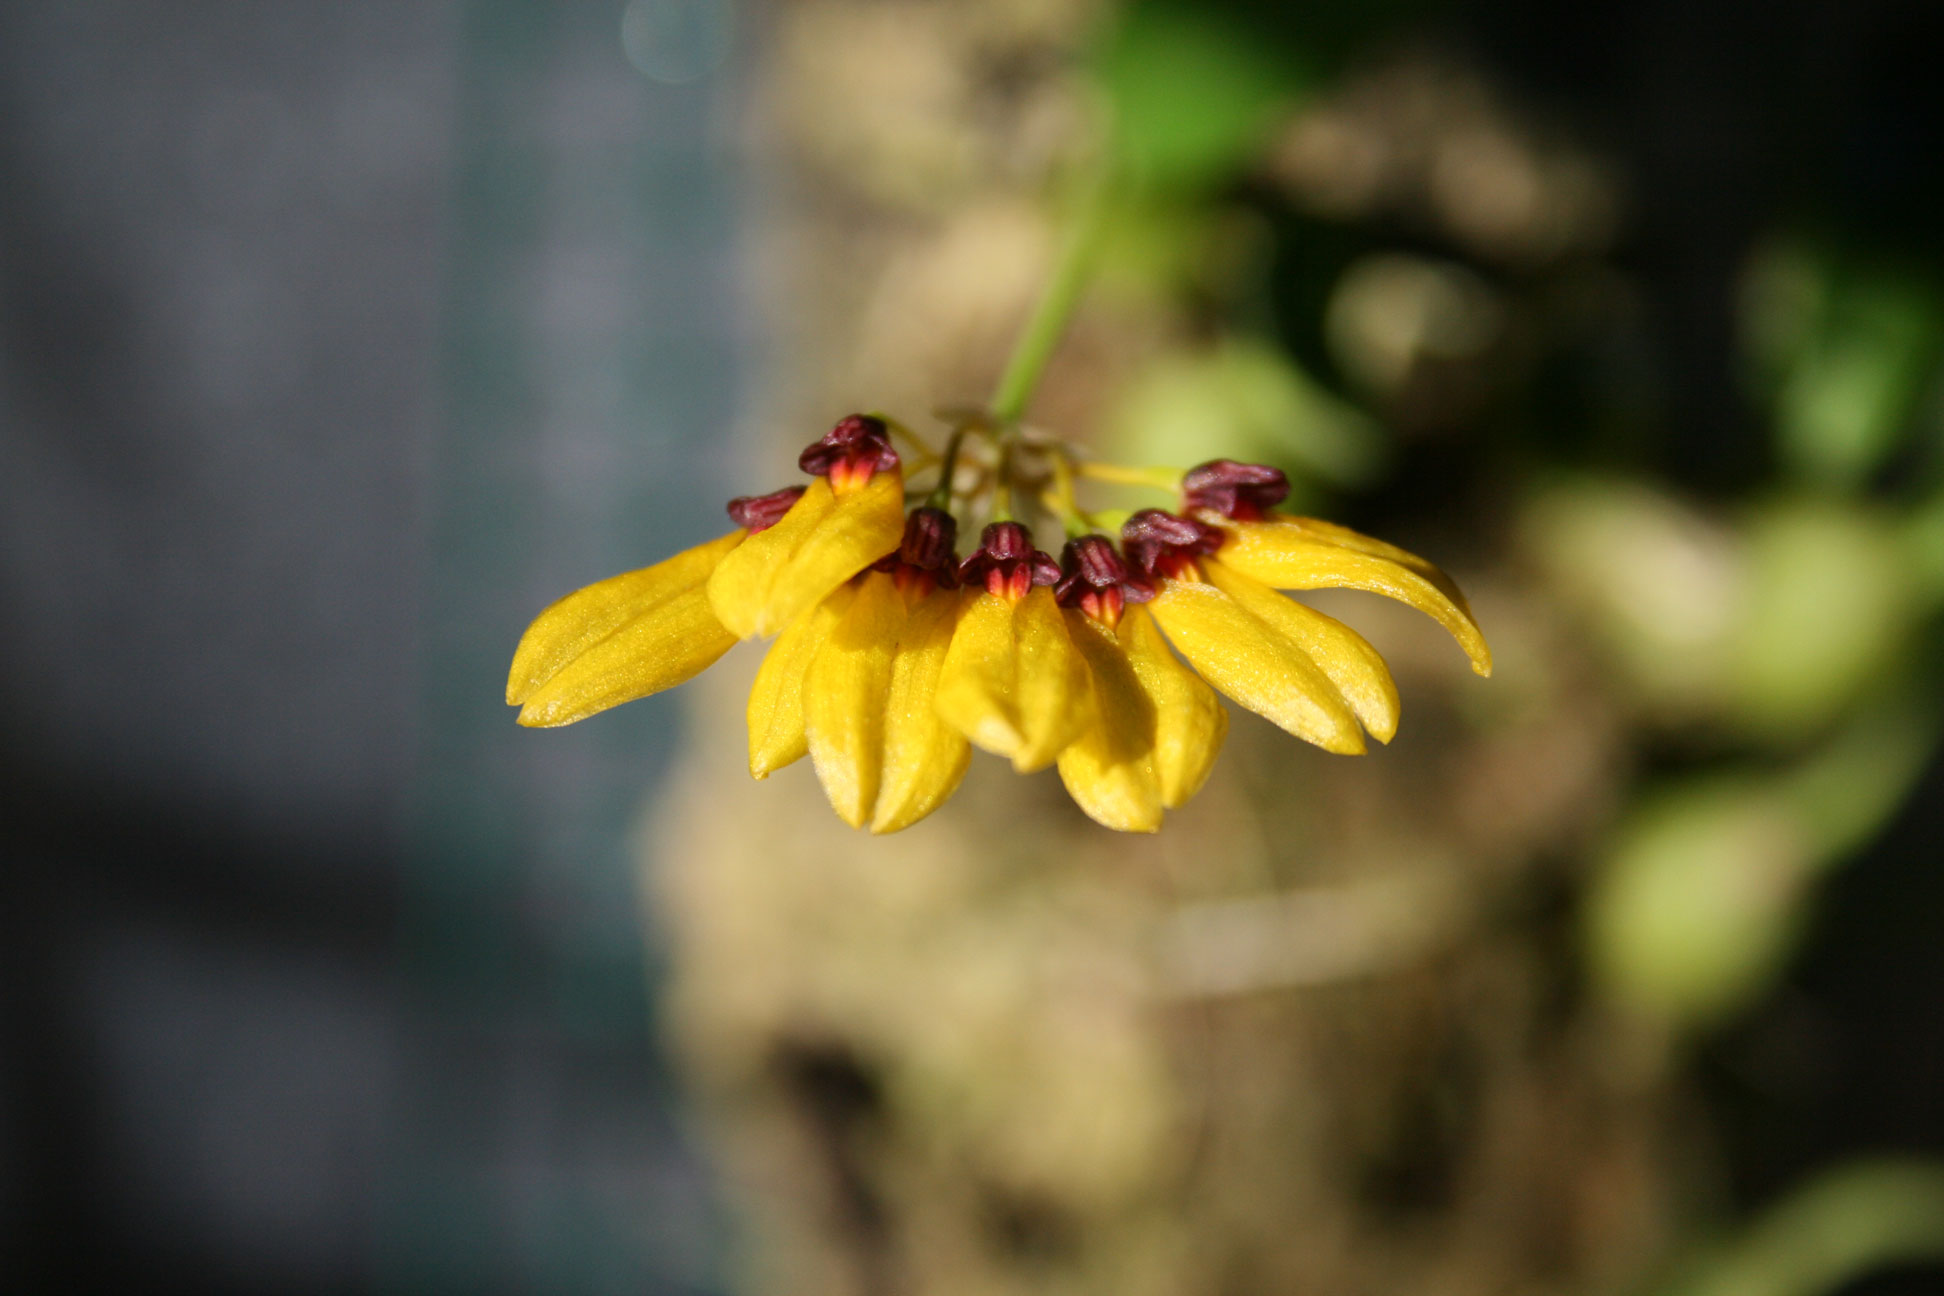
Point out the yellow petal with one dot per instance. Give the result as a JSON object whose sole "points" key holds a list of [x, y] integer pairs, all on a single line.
{"points": [[924, 757], [844, 697], [1055, 697], [823, 541], [1189, 722], [1012, 681], [1303, 553], [1260, 669], [666, 646], [1109, 769], [739, 590], [977, 681], [775, 711], [572, 625], [1356, 668]]}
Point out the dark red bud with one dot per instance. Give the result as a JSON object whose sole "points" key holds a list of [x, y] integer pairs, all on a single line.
{"points": [[1095, 560], [856, 448], [929, 537], [1006, 541], [1158, 542], [761, 512], [1237, 490], [1097, 580], [1006, 562]]}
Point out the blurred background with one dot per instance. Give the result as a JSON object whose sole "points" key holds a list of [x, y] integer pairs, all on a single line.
{"points": [[337, 339]]}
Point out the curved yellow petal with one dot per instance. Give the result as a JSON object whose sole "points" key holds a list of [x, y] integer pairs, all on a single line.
{"points": [[977, 681], [1303, 553], [574, 624], [1056, 703], [669, 645], [1189, 721], [1252, 664], [1109, 769], [775, 711], [844, 697], [1012, 682], [924, 757], [739, 589], [1356, 668], [823, 541], [1281, 528]]}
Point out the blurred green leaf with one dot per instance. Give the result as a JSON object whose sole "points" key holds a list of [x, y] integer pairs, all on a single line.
{"points": [[1659, 583], [1828, 606], [1245, 399], [1772, 626], [1842, 1226], [1698, 903], [1846, 353], [1194, 90]]}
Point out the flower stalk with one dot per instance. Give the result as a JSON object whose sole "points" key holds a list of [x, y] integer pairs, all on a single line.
{"points": [[1048, 322]]}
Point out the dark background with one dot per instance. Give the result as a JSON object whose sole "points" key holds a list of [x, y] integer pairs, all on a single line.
{"points": [[335, 339]]}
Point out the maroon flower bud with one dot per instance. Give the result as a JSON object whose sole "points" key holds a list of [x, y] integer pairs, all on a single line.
{"points": [[1006, 563], [851, 453], [925, 559], [1160, 544], [1236, 490], [761, 512], [929, 539], [1097, 581]]}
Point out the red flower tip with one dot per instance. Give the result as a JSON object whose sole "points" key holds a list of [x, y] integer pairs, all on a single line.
{"points": [[1241, 491], [1160, 544], [1096, 580], [925, 557], [1006, 563], [851, 453], [760, 512]]}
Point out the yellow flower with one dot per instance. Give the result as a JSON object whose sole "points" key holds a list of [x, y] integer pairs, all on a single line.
{"points": [[1157, 726], [850, 517], [1012, 681], [621, 639], [1217, 573], [641, 632], [893, 659], [851, 683]]}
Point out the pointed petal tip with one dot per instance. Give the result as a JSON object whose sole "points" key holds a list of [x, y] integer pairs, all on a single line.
{"points": [[532, 717], [1025, 762]]}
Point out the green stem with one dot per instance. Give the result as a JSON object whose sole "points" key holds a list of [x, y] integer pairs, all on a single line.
{"points": [[1041, 336], [941, 496]]}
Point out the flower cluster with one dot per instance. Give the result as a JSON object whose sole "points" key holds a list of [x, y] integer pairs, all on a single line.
{"points": [[892, 658]]}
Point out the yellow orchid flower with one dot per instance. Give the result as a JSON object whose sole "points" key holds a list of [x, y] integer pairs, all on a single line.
{"points": [[1156, 727], [1217, 572], [850, 683], [1299, 553], [894, 659], [1012, 681], [621, 639], [851, 516]]}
